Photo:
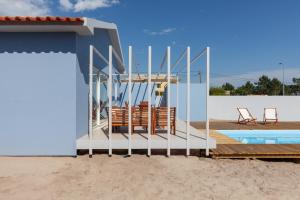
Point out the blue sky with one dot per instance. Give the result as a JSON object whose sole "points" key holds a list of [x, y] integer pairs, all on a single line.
{"points": [[245, 36]]}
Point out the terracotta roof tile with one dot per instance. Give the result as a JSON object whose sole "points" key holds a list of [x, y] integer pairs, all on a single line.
{"points": [[23, 20]]}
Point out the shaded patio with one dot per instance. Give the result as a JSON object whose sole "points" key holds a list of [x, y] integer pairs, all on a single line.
{"points": [[139, 139]]}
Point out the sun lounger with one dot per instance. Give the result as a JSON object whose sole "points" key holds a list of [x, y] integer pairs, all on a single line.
{"points": [[270, 115], [245, 116]]}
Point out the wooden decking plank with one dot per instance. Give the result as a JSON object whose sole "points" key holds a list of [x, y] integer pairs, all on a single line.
{"points": [[257, 150]]}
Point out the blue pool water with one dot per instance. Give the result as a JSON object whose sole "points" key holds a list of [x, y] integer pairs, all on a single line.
{"points": [[264, 136]]}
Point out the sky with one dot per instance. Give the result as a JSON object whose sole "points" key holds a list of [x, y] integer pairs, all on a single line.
{"points": [[247, 38]]}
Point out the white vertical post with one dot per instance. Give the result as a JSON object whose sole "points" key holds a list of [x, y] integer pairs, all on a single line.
{"points": [[129, 99], [116, 92], [98, 97], [91, 100], [207, 99], [149, 99], [168, 100], [188, 63], [177, 97], [109, 92]]}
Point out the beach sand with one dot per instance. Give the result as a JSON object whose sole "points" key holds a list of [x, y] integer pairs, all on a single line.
{"points": [[140, 177]]}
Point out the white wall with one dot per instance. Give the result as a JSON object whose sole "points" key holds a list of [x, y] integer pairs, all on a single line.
{"points": [[225, 107]]}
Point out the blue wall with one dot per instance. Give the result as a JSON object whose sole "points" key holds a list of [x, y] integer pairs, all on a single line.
{"points": [[44, 87], [38, 94], [100, 41], [198, 100], [197, 103]]}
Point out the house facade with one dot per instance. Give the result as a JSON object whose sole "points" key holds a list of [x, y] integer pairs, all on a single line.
{"points": [[44, 81]]}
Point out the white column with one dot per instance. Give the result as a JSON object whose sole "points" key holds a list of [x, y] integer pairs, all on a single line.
{"points": [[91, 100], [116, 92], [98, 97], [149, 99], [207, 98], [129, 99], [109, 93], [188, 63], [168, 99], [177, 97]]}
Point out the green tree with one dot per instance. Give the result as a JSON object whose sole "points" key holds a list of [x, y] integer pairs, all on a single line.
{"points": [[264, 85], [295, 89], [246, 89], [216, 91], [276, 87], [228, 87], [296, 81]]}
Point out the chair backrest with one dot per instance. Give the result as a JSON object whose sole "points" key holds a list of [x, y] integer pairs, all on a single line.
{"points": [[270, 113], [244, 112], [139, 116], [161, 115], [143, 104], [119, 116]]}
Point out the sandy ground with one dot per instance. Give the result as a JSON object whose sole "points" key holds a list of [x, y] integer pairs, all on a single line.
{"points": [[140, 177]]}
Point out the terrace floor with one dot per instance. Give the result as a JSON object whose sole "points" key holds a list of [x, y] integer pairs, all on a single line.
{"points": [[232, 125], [139, 140]]}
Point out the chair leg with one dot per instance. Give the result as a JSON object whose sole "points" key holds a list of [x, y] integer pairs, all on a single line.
{"points": [[153, 130]]}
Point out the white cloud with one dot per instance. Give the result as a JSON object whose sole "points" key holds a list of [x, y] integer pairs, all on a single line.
{"points": [[238, 80], [24, 7], [161, 32], [83, 5], [66, 4]]}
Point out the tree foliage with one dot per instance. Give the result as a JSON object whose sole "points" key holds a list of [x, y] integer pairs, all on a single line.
{"points": [[216, 91], [264, 86], [228, 87]]}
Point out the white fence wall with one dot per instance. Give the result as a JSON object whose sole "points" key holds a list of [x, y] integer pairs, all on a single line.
{"points": [[225, 107]]}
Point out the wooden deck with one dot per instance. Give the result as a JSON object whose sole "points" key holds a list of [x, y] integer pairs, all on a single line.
{"points": [[222, 139], [233, 125], [256, 151]]}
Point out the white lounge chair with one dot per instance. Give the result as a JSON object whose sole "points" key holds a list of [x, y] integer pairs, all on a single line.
{"points": [[270, 115], [245, 116]]}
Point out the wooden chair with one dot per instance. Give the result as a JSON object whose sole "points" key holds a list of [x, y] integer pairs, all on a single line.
{"points": [[119, 116], [270, 115], [139, 117], [161, 118], [245, 116]]}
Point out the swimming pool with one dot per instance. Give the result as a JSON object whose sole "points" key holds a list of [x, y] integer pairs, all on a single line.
{"points": [[264, 136]]}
